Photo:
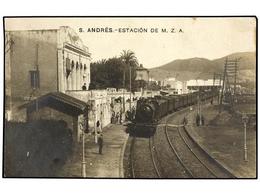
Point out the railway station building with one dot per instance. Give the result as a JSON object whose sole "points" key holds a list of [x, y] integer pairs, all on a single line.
{"points": [[195, 84], [41, 67], [41, 61]]}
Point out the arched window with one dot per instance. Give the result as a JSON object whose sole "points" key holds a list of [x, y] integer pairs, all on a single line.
{"points": [[72, 64], [67, 63], [68, 67], [85, 66], [77, 65]]}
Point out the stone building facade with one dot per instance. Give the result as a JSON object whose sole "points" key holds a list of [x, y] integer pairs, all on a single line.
{"points": [[42, 61], [142, 73]]}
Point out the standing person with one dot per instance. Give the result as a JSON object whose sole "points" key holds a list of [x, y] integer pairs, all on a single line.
{"points": [[133, 112], [84, 87], [113, 117], [120, 117], [100, 142], [99, 127], [117, 117]]}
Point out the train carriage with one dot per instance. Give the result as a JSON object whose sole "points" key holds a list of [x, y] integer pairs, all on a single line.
{"points": [[163, 107], [177, 102], [186, 100], [151, 110], [170, 101]]}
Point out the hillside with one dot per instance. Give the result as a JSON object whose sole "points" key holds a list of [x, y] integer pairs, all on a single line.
{"points": [[185, 69]]}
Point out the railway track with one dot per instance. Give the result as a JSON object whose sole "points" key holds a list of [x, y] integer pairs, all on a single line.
{"points": [[219, 170], [171, 167], [148, 167], [173, 153], [192, 157], [191, 162]]}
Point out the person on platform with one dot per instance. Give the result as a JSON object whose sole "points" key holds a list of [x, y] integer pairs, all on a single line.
{"points": [[100, 142], [120, 117], [117, 117], [84, 87], [98, 126]]}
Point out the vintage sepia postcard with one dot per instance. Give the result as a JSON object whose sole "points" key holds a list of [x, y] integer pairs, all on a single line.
{"points": [[130, 97]]}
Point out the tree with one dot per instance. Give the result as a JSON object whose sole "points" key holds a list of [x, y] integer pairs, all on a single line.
{"points": [[130, 61], [106, 73], [129, 57], [114, 72]]}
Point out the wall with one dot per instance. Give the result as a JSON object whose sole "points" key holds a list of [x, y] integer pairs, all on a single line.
{"points": [[142, 74], [23, 58], [8, 49], [99, 105], [51, 114]]}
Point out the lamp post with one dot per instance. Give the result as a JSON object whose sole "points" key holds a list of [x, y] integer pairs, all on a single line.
{"points": [[83, 157], [245, 119], [84, 128]]}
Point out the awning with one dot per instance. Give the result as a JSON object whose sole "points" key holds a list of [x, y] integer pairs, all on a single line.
{"points": [[58, 101]]}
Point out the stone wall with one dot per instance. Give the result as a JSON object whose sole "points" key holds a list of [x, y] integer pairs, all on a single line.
{"points": [[99, 105], [51, 114], [27, 51]]}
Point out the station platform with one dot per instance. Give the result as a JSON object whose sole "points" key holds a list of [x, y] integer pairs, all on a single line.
{"points": [[222, 137], [109, 164]]}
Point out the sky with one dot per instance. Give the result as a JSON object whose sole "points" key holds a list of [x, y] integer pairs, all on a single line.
{"points": [[192, 37]]}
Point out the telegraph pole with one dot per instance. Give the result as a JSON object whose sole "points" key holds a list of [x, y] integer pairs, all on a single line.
{"points": [[223, 86], [124, 91], [200, 108], [229, 79], [130, 87]]}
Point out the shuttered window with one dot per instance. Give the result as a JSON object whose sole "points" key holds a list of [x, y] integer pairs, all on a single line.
{"points": [[35, 79]]}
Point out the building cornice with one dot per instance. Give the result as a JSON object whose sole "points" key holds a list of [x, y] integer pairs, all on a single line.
{"points": [[76, 50]]}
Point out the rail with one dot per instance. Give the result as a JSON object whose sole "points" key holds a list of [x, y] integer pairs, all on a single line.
{"points": [[152, 149], [185, 141], [176, 154], [132, 158]]}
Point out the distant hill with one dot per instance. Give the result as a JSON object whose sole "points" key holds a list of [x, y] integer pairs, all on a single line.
{"points": [[192, 68]]}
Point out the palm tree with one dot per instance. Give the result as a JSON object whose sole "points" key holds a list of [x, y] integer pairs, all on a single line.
{"points": [[129, 58]]}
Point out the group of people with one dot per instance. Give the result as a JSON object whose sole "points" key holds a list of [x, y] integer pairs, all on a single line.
{"points": [[130, 114], [116, 118]]}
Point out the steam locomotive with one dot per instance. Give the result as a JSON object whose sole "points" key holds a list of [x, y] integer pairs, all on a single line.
{"points": [[150, 110]]}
